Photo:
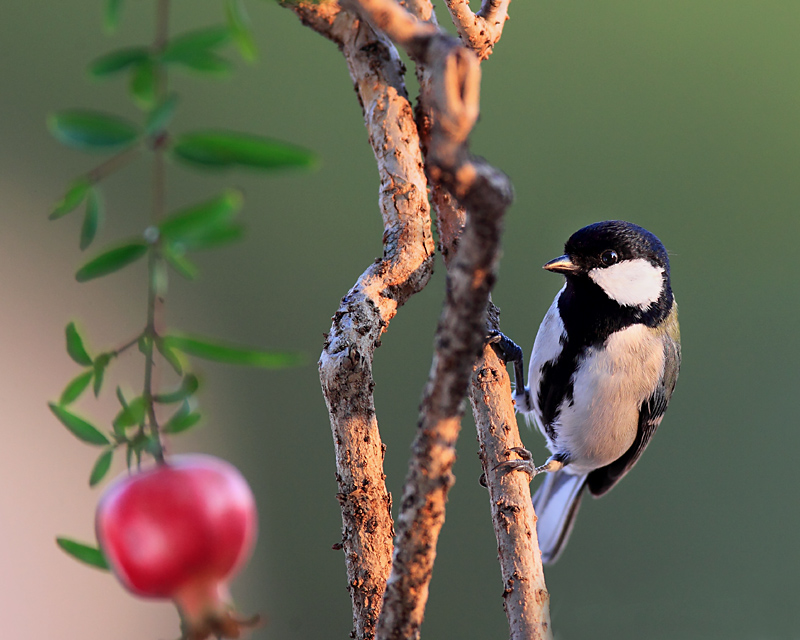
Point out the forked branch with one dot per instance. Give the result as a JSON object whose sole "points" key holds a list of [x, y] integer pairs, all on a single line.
{"points": [[450, 105], [480, 30], [452, 101]]}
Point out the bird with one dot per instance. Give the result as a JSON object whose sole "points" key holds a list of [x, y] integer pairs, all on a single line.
{"points": [[602, 370]]}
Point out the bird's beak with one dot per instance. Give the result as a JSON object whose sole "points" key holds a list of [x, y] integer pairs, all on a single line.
{"points": [[562, 264]]}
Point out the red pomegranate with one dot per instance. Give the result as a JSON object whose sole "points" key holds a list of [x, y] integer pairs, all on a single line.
{"points": [[181, 530]]}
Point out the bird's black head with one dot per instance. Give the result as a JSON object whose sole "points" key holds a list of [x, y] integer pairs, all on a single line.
{"points": [[603, 244], [615, 270]]}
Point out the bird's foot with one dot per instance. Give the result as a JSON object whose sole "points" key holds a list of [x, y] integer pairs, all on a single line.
{"points": [[526, 464], [509, 350]]}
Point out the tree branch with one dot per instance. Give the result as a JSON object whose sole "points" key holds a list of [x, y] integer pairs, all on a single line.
{"points": [[526, 600], [459, 336], [480, 31], [451, 99], [450, 216], [449, 78], [525, 597], [346, 362]]}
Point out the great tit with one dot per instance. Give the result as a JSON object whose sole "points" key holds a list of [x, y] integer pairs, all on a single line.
{"points": [[602, 370]]}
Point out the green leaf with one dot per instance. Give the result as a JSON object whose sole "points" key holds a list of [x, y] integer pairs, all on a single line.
{"points": [[83, 552], [112, 14], [101, 467], [179, 262], [225, 149], [213, 350], [75, 347], [118, 430], [117, 61], [200, 219], [112, 261], [131, 415], [174, 358], [183, 419], [202, 216], [239, 24], [140, 443], [75, 388], [203, 62], [189, 386], [92, 130], [143, 84], [91, 219], [195, 50], [161, 115], [75, 195], [196, 41], [215, 237], [78, 426], [182, 424], [100, 364]]}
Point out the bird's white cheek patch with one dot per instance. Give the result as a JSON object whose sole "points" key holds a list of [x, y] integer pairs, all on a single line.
{"points": [[632, 283]]}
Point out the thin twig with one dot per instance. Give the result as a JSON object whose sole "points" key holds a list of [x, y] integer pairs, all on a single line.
{"points": [[114, 163], [480, 31], [155, 270]]}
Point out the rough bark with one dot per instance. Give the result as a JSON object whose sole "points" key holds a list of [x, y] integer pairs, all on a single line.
{"points": [[525, 597], [449, 77], [345, 365], [482, 30], [526, 600], [451, 102]]}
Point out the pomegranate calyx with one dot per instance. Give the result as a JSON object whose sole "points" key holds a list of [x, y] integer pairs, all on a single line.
{"points": [[218, 624]]}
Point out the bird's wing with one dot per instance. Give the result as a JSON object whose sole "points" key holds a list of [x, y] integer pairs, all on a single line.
{"points": [[601, 480]]}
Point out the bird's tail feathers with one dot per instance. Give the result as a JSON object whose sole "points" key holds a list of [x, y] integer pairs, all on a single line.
{"points": [[556, 504]]}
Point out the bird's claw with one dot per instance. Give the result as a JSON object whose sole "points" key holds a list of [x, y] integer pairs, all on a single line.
{"points": [[523, 453], [553, 463], [525, 464], [509, 350]]}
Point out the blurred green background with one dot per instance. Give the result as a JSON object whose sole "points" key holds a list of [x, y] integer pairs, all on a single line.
{"points": [[681, 116]]}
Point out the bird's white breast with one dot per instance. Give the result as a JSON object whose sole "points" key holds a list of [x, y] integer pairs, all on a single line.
{"points": [[609, 388]]}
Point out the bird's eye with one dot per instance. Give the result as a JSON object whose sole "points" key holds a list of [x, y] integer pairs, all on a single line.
{"points": [[609, 257]]}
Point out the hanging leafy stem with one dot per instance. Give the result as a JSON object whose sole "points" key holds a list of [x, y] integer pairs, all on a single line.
{"points": [[169, 239]]}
